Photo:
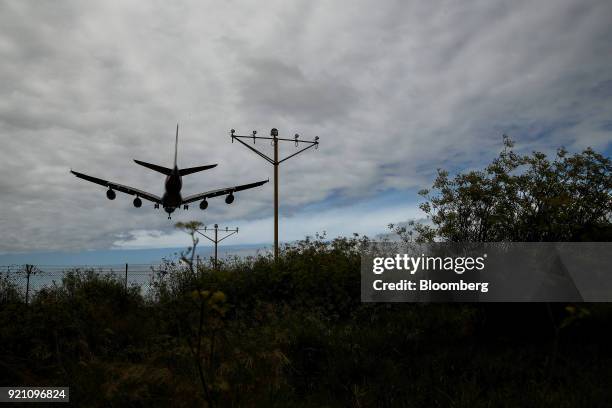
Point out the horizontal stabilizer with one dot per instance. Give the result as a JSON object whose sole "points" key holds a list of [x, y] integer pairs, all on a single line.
{"points": [[184, 172], [163, 170]]}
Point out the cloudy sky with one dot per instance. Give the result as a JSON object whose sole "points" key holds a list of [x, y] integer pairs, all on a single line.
{"points": [[394, 89]]}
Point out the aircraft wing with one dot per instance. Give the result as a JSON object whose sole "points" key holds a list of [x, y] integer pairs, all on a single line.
{"points": [[119, 187], [221, 192]]}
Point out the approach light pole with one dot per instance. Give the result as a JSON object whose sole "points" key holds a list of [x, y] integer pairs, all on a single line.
{"points": [[275, 162], [228, 232]]}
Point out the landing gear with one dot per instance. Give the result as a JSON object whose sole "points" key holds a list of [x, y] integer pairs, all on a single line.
{"points": [[169, 210]]}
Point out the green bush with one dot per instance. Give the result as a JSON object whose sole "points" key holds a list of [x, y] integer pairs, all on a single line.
{"points": [[292, 335]]}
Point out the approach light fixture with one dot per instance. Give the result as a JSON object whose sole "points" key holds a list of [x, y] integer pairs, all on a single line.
{"points": [[274, 139], [215, 239]]}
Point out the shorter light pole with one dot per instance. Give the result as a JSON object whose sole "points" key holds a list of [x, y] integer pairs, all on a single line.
{"points": [[215, 239]]}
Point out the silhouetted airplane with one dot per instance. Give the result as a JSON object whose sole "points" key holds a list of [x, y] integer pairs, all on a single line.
{"points": [[171, 199]]}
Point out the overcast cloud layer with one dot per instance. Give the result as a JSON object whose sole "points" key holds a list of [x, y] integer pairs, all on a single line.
{"points": [[394, 89]]}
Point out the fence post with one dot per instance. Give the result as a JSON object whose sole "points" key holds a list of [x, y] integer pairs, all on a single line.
{"points": [[126, 270], [28, 272]]}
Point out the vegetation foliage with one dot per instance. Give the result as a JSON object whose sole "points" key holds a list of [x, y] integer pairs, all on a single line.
{"points": [[295, 334], [521, 198]]}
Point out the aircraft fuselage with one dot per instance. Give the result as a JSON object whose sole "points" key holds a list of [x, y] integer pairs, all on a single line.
{"points": [[172, 194]]}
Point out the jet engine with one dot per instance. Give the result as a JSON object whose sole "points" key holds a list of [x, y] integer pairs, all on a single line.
{"points": [[203, 204], [229, 199], [137, 202], [110, 194]]}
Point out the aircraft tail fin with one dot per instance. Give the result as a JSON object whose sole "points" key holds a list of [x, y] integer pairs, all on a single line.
{"points": [[176, 146], [160, 169], [190, 170]]}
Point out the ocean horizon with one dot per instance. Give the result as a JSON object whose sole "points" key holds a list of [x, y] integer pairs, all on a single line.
{"points": [[125, 256]]}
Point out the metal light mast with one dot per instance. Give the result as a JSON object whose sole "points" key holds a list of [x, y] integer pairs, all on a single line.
{"points": [[275, 162]]}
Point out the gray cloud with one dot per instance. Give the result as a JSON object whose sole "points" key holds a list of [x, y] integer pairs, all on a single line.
{"points": [[394, 90], [274, 86]]}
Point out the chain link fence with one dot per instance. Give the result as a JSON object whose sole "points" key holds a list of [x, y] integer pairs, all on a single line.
{"points": [[23, 281]]}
